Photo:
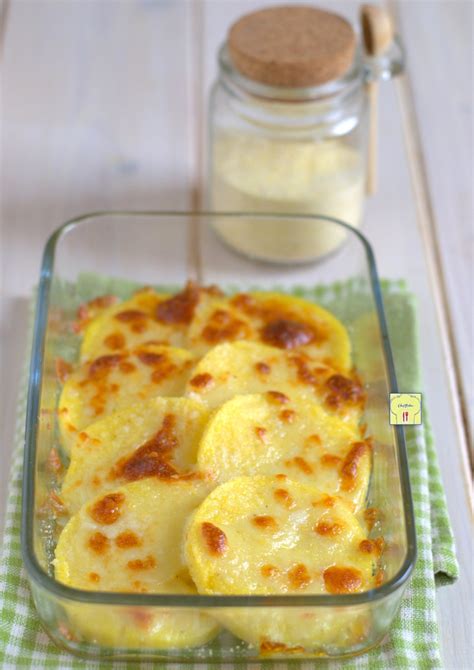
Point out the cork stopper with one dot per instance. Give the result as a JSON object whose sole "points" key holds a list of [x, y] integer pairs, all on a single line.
{"points": [[292, 46]]}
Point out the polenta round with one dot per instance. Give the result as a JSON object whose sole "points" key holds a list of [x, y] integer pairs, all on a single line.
{"points": [[142, 627], [250, 367], [271, 535], [114, 543], [155, 438], [282, 321], [274, 433], [126, 325], [115, 381]]}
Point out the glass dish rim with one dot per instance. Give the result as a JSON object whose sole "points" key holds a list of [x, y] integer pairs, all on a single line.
{"points": [[43, 579]]}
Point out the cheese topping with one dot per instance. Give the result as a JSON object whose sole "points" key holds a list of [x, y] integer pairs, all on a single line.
{"points": [[221, 436], [252, 434]]}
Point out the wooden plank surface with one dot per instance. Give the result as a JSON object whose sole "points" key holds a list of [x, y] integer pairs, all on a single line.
{"points": [[106, 108], [444, 117]]}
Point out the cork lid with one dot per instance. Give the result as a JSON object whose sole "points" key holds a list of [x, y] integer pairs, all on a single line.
{"points": [[293, 46]]}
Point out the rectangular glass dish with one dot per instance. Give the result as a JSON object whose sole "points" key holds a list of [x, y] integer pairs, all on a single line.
{"points": [[116, 252]]}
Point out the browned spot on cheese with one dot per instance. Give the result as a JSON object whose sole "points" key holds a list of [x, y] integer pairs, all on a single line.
{"points": [[371, 515], [179, 309], [63, 369], [260, 432], [299, 576], [301, 464], [303, 371], [130, 315], [283, 497], [141, 618], [138, 326], [87, 311], [223, 326], [314, 440], [269, 647], [379, 577], [147, 563], [82, 437], [94, 577], [277, 397], [150, 357], [57, 505], [330, 460], [127, 539], [215, 538], [96, 481], [151, 459], [343, 391], [115, 341], [339, 579], [264, 521], [350, 466], [263, 368], [106, 511], [99, 543], [281, 476], [102, 365], [269, 570], [245, 302], [329, 528], [287, 334], [202, 381], [325, 501], [375, 546], [126, 367], [54, 463], [162, 371], [287, 415]]}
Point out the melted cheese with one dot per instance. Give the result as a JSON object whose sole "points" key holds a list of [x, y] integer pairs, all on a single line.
{"points": [[273, 433], [115, 381], [272, 318], [156, 438], [116, 537], [128, 324], [114, 543], [137, 627], [249, 367], [265, 535]]}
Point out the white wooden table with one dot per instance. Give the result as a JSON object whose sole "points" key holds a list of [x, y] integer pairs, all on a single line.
{"points": [[103, 106]]}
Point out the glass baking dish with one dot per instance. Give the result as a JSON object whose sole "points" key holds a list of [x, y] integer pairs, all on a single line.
{"points": [[114, 252]]}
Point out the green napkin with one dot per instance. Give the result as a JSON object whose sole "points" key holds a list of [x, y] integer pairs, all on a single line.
{"points": [[413, 641]]}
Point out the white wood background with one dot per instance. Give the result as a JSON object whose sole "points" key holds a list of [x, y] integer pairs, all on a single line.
{"points": [[103, 105]]}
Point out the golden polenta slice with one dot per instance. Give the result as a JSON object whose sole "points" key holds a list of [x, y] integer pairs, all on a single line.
{"points": [[126, 325], [281, 321], [271, 535], [138, 627], [273, 433], [115, 381], [129, 540], [146, 317], [250, 367], [155, 438]]}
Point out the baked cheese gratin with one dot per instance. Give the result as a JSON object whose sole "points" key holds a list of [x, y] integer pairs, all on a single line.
{"points": [[215, 445]]}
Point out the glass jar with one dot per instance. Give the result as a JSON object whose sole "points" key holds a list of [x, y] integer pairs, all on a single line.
{"points": [[291, 150]]}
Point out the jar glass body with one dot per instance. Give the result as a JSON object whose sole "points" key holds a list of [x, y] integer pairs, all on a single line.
{"points": [[292, 151]]}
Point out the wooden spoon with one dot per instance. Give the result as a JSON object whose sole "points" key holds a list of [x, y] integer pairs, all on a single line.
{"points": [[377, 31]]}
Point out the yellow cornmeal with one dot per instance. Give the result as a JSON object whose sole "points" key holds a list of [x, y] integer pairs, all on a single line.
{"points": [[257, 174]]}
